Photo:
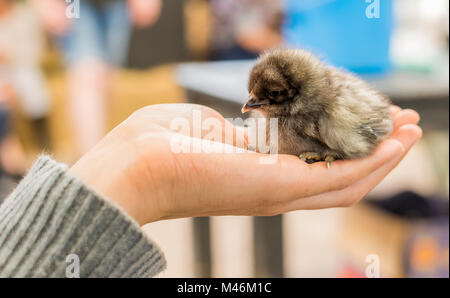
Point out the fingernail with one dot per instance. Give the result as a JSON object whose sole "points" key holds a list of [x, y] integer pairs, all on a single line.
{"points": [[412, 141]]}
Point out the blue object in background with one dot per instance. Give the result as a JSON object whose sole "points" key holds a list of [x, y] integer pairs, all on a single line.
{"points": [[340, 32]]}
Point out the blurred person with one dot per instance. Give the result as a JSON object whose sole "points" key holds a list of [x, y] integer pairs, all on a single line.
{"points": [[93, 211], [94, 44], [21, 47], [13, 161], [244, 28]]}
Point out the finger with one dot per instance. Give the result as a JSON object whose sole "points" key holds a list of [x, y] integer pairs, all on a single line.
{"points": [[207, 123], [262, 188], [287, 178], [363, 187], [394, 109], [344, 173], [193, 121], [358, 190], [405, 117], [241, 137]]}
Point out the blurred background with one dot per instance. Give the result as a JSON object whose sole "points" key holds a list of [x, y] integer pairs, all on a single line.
{"points": [[72, 70]]}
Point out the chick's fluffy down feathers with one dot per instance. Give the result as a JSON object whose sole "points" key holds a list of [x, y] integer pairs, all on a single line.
{"points": [[319, 108]]}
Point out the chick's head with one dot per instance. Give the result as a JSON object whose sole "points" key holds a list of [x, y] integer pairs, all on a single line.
{"points": [[287, 82]]}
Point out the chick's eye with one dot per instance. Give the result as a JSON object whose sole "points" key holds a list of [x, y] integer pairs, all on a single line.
{"points": [[274, 93]]}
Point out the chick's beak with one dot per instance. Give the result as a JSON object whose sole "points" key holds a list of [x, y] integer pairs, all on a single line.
{"points": [[247, 108], [251, 104]]}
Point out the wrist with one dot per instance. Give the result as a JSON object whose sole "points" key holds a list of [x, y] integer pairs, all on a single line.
{"points": [[104, 173]]}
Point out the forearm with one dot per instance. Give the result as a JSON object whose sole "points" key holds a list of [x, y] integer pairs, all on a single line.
{"points": [[51, 215]]}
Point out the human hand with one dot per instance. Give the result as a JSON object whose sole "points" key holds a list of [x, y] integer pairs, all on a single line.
{"points": [[135, 166], [144, 12]]}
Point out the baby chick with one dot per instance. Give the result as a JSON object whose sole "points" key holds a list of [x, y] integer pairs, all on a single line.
{"points": [[324, 113]]}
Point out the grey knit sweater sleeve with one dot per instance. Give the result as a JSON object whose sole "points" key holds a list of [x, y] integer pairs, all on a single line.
{"points": [[52, 221]]}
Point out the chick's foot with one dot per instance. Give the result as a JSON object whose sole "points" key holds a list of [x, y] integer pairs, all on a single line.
{"points": [[328, 160], [310, 157]]}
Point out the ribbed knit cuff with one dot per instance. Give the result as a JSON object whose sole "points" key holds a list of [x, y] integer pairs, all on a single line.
{"points": [[52, 215]]}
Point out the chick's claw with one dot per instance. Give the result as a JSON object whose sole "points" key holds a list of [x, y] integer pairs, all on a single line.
{"points": [[328, 160], [310, 157]]}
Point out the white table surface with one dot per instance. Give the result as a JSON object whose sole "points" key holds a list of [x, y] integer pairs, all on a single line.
{"points": [[228, 80]]}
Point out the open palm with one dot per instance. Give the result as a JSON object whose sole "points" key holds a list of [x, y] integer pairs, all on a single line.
{"points": [[144, 175]]}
